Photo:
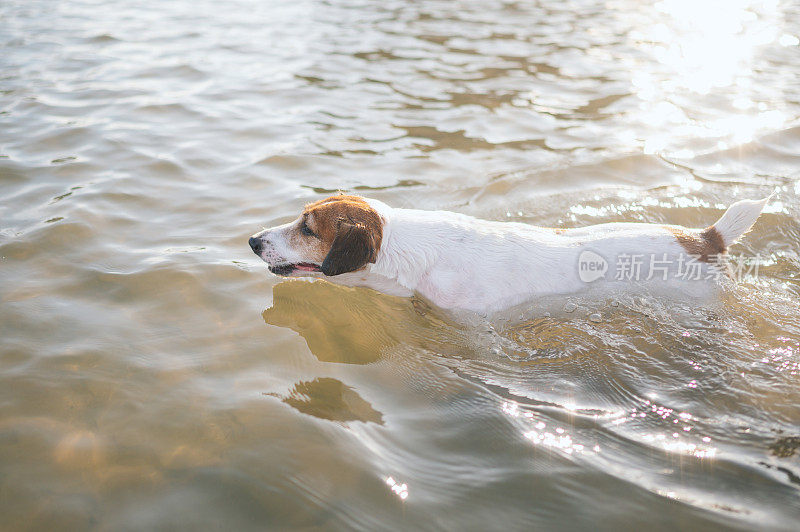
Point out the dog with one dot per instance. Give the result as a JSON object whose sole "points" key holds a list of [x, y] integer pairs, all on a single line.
{"points": [[460, 262]]}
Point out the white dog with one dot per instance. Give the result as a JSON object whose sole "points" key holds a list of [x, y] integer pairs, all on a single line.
{"points": [[460, 262]]}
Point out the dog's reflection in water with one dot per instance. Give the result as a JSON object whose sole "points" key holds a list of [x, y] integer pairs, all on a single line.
{"points": [[357, 325], [331, 399]]}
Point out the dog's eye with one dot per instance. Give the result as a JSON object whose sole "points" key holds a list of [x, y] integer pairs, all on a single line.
{"points": [[306, 231]]}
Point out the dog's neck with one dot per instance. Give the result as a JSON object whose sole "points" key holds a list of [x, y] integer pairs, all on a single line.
{"points": [[416, 243], [407, 250]]}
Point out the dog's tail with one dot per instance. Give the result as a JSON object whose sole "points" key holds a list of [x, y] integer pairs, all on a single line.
{"points": [[738, 219]]}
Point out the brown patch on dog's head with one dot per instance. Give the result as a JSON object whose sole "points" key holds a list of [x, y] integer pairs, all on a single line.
{"points": [[706, 244], [348, 230]]}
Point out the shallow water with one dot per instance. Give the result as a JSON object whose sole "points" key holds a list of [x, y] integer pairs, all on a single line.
{"points": [[153, 374]]}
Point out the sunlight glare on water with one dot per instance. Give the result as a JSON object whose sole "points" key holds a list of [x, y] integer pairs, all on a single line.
{"points": [[702, 47]]}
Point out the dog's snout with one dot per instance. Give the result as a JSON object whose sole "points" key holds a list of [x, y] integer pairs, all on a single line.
{"points": [[256, 244]]}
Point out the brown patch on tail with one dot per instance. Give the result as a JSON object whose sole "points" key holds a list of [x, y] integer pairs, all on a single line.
{"points": [[706, 244]]}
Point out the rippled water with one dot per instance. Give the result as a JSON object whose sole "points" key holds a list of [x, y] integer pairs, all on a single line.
{"points": [[153, 374]]}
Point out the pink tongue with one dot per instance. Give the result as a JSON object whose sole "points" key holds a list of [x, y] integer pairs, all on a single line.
{"points": [[306, 267]]}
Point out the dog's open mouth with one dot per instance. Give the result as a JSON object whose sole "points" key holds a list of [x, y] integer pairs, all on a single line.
{"points": [[288, 269]]}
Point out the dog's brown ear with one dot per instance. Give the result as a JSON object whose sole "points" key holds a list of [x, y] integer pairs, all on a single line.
{"points": [[353, 247]]}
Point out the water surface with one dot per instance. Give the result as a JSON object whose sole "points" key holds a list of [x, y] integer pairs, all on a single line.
{"points": [[154, 375]]}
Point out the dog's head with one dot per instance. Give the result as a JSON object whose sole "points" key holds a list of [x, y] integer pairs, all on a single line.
{"points": [[336, 235]]}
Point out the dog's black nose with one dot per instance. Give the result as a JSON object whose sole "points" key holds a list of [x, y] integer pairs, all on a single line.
{"points": [[255, 243]]}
